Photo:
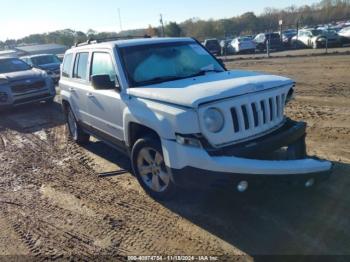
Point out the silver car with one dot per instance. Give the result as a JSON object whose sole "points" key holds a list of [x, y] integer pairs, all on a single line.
{"points": [[22, 84]]}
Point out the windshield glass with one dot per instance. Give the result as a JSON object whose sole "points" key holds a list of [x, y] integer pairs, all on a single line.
{"points": [[244, 39], [44, 60], [12, 65], [212, 44], [316, 32], [156, 63]]}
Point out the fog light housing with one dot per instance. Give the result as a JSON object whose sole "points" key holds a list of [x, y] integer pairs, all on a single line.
{"points": [[188, 141], [3, 97], [242, 186]]}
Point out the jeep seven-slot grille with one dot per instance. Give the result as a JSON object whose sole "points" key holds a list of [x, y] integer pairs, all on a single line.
{"points": [[258, 113], [19, 87]]}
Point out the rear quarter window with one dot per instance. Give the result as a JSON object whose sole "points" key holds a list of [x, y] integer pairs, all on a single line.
{"points": [[67, 65]]}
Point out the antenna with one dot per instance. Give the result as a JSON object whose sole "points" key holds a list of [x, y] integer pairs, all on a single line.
{"points": [[120, 20]]}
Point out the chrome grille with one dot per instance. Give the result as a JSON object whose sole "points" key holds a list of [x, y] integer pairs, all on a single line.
{"points": [[248, 116], [258, 113]]}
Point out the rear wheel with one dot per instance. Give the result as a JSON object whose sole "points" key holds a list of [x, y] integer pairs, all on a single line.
{"points": [[149, 168], [75, 131]]}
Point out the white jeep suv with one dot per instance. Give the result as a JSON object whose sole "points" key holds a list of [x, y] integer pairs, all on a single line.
{"points": [[183, 118]]}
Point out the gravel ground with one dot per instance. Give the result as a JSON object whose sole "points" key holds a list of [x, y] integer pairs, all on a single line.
{"points": [[57, 201]]}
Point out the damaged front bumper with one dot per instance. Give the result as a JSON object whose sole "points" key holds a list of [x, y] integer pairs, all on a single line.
{"points": [[277, 157]]}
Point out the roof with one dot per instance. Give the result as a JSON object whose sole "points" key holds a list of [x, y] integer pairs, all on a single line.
{"points": [[134, 42], [35, 48]]}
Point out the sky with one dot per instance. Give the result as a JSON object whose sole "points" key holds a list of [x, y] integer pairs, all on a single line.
{"points": [[22, 17]]}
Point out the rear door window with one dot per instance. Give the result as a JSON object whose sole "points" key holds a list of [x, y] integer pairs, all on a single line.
{"points": [[80, 66]]}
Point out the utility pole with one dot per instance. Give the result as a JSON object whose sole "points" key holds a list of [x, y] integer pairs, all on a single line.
{"points": [[162, 24], [120, 20]]}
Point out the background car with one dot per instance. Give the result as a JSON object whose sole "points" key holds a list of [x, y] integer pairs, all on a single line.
{"points": [[273, 38], [287, 36], [345, 35], [213, 46], [243, 45], [22, 84], [226, 47], [316, 38], [50, 63]]}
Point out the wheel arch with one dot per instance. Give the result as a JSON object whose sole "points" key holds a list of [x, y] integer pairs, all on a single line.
{"points": [[65, 105], [137, 130]]}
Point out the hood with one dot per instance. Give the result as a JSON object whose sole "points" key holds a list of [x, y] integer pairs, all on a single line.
{"points": [[192, 92], [21, 75]]}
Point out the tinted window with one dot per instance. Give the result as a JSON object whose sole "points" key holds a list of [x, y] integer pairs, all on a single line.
{"points": [[316, 32], [13, 65], [80, 66], [273, 36], [102, 65], [67, 63], [44, 60]]}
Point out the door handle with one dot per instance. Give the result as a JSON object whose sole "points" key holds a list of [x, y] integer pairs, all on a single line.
{"points": [[71, 89]]}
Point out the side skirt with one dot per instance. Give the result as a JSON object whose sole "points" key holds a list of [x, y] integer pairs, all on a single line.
{"points": [[107, 139]]}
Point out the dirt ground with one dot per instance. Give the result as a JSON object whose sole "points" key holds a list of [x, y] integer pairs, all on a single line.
{"points": [[58, 199]]}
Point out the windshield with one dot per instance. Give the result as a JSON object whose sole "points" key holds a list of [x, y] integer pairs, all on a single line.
{"points": [[244, 39], [12, 65], [316, 32], [156, 63], [44, 60], [273, 36], [212, 44]]}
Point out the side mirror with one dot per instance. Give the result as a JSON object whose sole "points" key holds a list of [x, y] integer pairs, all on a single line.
{"points": [[102, 82]]}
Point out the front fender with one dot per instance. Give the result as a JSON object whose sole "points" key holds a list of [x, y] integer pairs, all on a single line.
{"points": [[164, 119]]}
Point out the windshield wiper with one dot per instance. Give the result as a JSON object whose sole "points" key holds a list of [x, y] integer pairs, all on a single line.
{"points": [[159, 79], [203, 72]]}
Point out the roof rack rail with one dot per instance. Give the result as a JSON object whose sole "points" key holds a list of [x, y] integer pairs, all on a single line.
{"points": [[108, 39]]}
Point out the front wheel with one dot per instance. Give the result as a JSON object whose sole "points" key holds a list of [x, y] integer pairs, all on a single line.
{"points": [[150, 170]]}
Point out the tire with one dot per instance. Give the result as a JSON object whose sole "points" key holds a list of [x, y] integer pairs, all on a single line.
{"points": [[149, 168], [76, 133]]}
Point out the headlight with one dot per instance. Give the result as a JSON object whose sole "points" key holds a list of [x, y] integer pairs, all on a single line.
{"points": [[213, 120]]}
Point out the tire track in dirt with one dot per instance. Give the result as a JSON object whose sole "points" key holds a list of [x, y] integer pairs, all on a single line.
{"points": [[128, 222]]}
